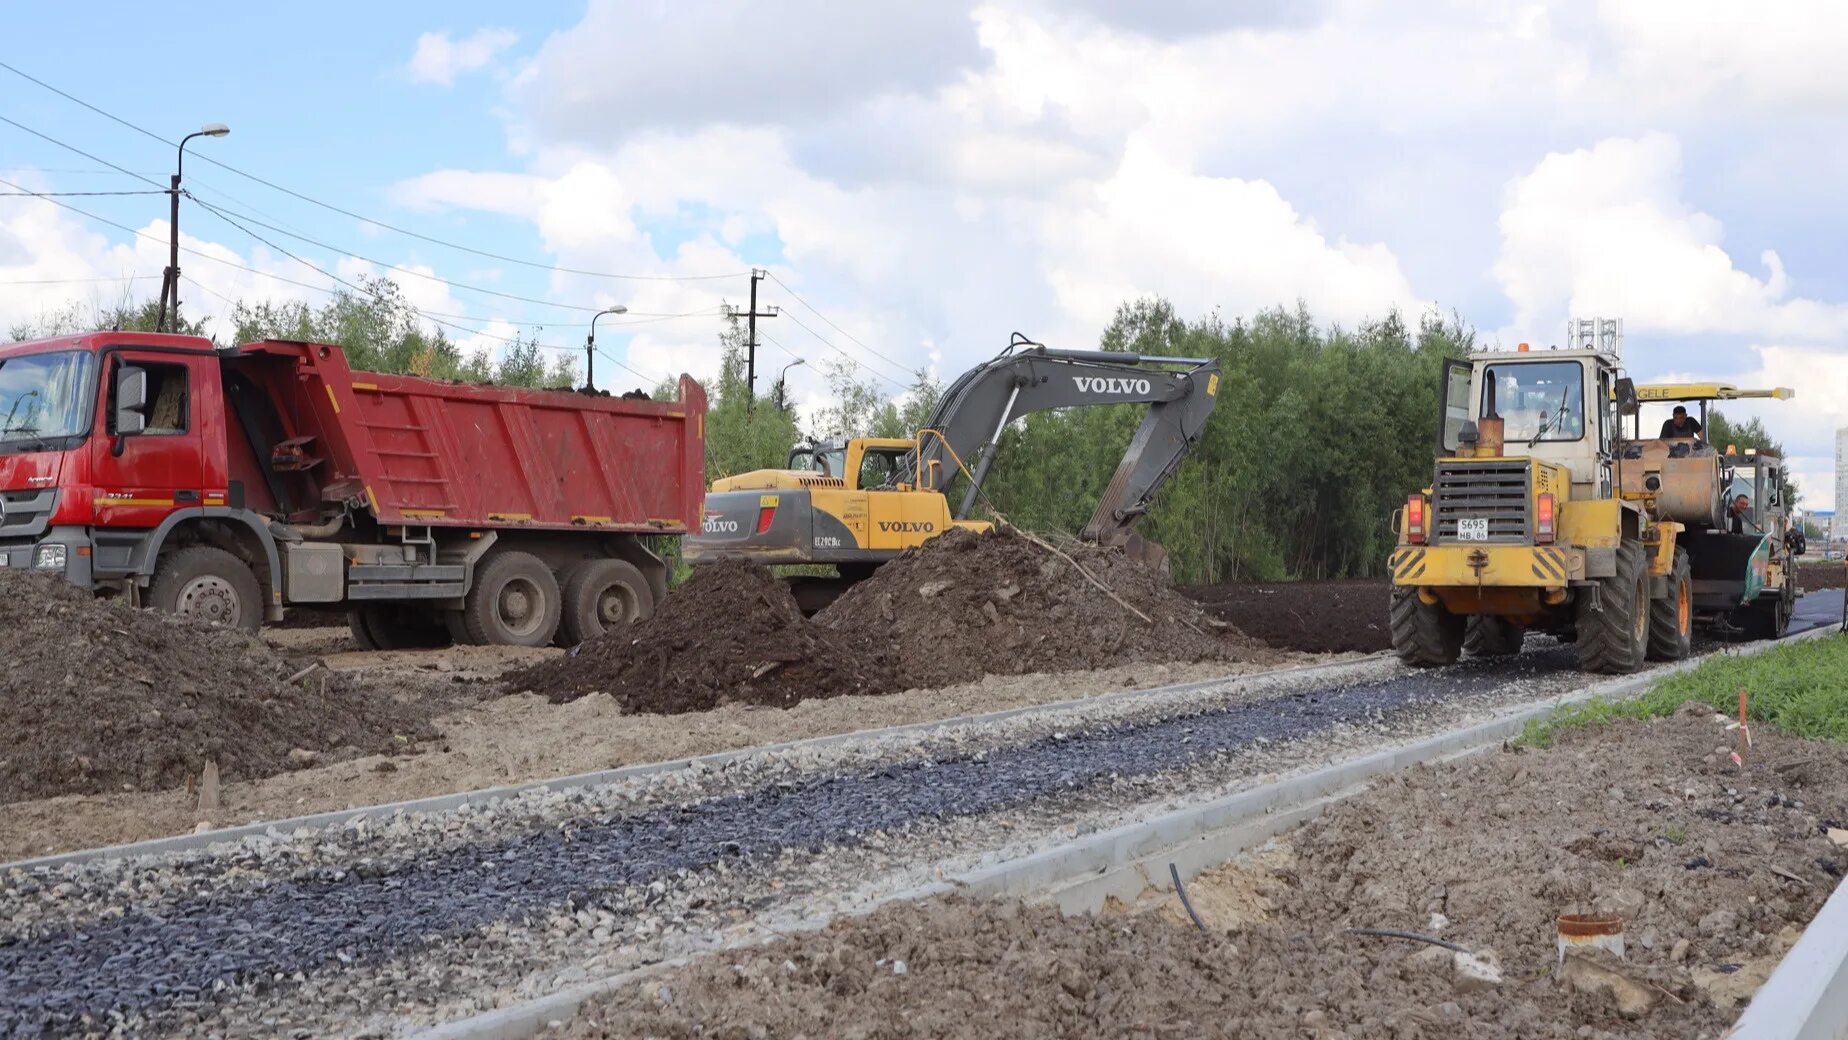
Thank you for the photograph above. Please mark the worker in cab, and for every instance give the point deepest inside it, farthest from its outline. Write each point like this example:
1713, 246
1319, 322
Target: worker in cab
1680, 425
1741, 506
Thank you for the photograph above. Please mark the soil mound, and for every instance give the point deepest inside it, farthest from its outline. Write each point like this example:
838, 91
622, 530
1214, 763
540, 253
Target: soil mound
1313, 616
964, 605
1824, 575
732, 633
99, 696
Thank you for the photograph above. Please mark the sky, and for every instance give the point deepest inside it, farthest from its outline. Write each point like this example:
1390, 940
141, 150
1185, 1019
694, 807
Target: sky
922, 180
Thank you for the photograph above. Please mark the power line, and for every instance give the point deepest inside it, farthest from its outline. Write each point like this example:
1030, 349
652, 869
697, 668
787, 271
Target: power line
75, 281
73, 148
813, 310
74, 194
857, 363
357, 216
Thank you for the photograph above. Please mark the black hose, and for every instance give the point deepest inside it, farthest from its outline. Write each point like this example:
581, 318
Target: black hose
1181, 891
1394, 933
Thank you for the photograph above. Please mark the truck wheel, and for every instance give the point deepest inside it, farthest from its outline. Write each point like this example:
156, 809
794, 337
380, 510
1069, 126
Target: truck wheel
1612, 640
600, 595
379, 626
1490, 636
1671, 618
514, 602
1424, 635
208, 583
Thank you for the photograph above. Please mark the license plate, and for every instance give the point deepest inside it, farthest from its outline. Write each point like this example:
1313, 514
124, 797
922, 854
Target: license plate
1473, 529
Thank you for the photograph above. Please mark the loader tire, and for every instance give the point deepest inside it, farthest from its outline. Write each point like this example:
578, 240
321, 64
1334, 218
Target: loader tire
1490, 636
385, 626
1671, 618
514, 601
1613, 639
210, 584
600, 595
1424, 635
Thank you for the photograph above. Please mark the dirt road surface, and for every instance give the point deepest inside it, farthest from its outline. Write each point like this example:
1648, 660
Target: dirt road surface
1714, 874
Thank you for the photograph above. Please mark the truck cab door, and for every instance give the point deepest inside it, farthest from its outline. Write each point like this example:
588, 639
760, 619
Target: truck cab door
139, 476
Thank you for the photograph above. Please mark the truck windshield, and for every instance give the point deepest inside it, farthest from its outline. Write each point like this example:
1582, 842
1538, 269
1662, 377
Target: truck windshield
44, 397
1538, 401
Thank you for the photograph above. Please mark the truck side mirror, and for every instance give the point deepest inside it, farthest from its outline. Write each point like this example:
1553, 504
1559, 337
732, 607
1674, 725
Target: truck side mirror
131, 400
1627, 402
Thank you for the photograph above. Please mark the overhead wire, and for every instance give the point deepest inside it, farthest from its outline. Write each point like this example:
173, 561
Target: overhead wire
359, 216
831, 323
74, 194
856, 362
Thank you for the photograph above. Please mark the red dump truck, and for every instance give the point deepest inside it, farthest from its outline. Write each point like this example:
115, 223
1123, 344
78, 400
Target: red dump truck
232, 483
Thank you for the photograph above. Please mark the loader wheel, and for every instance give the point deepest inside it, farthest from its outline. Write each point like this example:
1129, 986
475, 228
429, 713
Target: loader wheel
1671, 618
1490, 636
600, 595
382, 626
1613, 639
1424, 635
513, 602
210, 584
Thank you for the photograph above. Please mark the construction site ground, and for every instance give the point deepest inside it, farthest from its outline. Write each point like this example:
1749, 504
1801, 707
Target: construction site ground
1715, 872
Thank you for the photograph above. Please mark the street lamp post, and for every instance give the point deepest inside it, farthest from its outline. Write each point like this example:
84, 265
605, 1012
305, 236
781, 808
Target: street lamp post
170, 279
781, 404
590, 346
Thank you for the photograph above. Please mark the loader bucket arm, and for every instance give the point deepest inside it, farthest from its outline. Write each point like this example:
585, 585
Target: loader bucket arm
975, 409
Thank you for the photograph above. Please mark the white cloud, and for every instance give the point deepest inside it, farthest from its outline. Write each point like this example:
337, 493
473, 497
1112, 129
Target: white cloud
440, 59
1605, 231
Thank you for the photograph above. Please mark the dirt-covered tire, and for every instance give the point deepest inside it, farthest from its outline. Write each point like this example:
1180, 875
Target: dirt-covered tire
602, 594
208, 583
458, 628
515, 601
1489, 636
1671, 618
1613, 640
1424, 635
393, 626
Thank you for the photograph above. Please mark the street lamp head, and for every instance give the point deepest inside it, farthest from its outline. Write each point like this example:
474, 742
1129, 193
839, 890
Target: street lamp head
618, 309
214, 130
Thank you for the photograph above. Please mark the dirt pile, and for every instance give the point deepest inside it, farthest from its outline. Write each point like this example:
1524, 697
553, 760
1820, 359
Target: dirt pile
100, 697
1829, 575
1312, 616
731, 634
964, 605
1714, 874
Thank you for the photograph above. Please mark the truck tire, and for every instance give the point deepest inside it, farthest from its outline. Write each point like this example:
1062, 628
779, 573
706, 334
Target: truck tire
1613, 640
1671, 618
383, 626
602, 594
208, 583
1490, 636
514, 602
1424, 635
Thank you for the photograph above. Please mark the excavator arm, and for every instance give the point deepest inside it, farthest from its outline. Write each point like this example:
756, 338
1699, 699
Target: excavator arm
965, 429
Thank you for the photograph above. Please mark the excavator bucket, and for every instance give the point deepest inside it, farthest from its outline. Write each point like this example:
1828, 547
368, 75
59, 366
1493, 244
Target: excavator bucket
1149, 554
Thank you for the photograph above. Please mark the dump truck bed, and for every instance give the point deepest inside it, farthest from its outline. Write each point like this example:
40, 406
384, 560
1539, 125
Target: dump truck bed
426, 452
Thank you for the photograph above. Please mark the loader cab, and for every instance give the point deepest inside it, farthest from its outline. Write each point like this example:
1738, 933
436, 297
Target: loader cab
1554, 405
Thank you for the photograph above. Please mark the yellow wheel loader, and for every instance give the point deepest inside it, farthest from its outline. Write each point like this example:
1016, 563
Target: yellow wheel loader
859, 502
1542, 516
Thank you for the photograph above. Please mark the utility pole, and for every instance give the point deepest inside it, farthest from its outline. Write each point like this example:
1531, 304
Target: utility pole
758, 274
170, 278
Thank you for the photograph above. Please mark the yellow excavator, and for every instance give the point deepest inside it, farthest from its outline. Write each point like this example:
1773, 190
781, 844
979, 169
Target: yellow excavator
858, 502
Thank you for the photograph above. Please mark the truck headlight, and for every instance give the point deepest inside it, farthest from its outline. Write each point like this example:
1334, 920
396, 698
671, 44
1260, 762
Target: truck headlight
49, 557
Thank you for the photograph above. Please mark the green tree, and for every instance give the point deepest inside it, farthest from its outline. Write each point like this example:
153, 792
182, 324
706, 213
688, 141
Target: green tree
742, 434
1751, 434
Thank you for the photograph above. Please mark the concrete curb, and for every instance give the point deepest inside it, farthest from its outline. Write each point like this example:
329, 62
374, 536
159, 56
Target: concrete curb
1080, 875
445, 802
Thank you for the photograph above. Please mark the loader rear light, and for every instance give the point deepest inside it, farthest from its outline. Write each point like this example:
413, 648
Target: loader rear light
765, 515
1543, 518
1415, 519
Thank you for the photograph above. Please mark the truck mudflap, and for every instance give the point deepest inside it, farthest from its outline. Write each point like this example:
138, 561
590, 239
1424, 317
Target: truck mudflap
1728, 569
1459, 565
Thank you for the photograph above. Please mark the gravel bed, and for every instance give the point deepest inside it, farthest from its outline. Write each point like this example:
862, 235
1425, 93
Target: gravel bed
394, 920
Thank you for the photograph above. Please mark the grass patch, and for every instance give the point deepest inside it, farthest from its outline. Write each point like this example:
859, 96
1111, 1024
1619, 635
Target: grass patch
1801, 687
